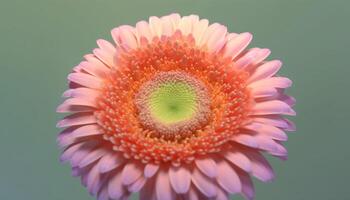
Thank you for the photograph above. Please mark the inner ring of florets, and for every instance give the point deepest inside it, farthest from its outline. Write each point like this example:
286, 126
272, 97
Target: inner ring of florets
173, 104
119, 116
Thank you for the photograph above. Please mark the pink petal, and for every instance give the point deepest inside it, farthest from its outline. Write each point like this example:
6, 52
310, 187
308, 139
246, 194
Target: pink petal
137, 185
80, 154
103, 194
93, 156
78, 172
192, 194
266, 70
235, 46
67, 93
74, 134
262, 54
93, 179
248, 190
150, 170
185, 25
246, 140
78, 69
143, 30
204, 183
228, 178
65, 137
167, 26
275, 133
115, 186
175, 19
87, 130
267, 144
239, 159
267, 130
291, 126
86, 80
199, 29
124, 36
67, 105
230, 36
95, 66
99, 184
261, 92
276, 82
217, 39
109, 162
272, 107
180, 179
82, 92
208, 33
194, 19
163, 187
222, 195
155, 26
281, 96
207, 166
127, 36
261, 169
247, 59
288, 99
84, 176
272, 120
106, 53
77, 119
131, 173
148, 191
276, 149
69, 152
93, 70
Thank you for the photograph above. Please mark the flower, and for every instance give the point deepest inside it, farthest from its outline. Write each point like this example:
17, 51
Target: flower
175, 109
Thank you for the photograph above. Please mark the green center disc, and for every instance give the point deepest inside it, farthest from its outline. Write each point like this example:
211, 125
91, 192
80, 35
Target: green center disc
173, 105
173, 102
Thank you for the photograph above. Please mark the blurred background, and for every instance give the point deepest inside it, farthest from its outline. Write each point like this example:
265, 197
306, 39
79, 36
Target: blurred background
41, 40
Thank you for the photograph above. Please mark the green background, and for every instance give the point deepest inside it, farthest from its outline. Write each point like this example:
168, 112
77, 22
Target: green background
41, 40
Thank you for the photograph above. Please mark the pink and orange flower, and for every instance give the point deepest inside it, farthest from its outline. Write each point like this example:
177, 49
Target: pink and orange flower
176, 108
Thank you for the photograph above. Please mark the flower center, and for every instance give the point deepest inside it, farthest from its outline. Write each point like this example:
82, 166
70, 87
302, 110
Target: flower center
170, 101
174, 104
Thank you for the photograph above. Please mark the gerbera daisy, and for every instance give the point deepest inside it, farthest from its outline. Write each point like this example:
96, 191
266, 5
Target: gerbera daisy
175, 108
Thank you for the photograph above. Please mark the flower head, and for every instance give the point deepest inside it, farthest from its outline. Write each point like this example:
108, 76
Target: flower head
174, 109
